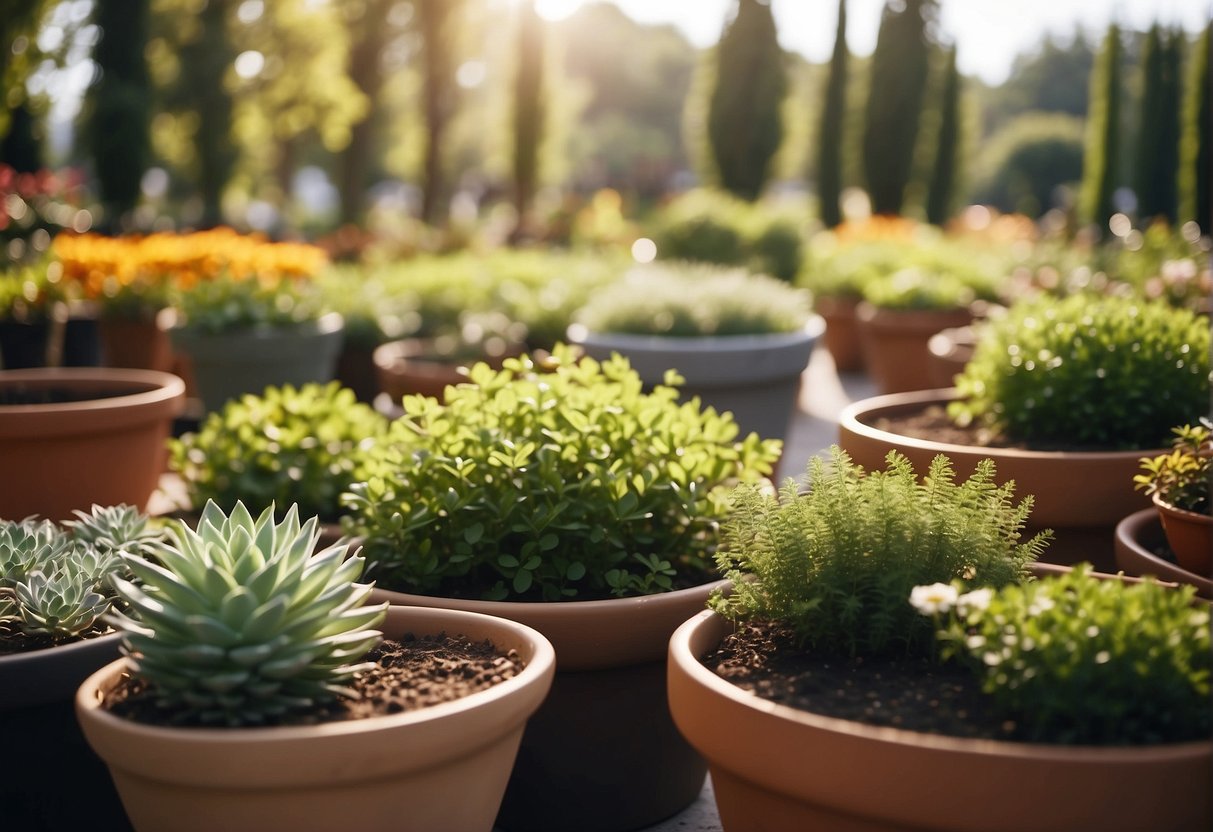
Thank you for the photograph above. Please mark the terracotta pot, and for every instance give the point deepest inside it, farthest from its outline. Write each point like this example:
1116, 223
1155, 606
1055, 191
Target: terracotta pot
1190, 536
141, 345
776, 767
842, 331
950, 350
415, 366
60, 457
895, 343
227, 365
755, 377
356, 370
1081, 495
1137, 538
439, 768
602, 753
36, 716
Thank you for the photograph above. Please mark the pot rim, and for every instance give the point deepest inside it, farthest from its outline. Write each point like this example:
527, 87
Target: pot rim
1186, 514
813, 328
541, 663
150, 388
855, 417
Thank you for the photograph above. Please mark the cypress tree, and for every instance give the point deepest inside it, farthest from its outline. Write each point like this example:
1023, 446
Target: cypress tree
1103, 132
1157, 160
204, 65
943, 173
120, 103
894, 106
438, 93
1196, 167
745, 127
528, 108
829, 153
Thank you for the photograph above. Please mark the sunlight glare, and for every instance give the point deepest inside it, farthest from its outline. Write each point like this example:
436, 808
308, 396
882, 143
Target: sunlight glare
554, 10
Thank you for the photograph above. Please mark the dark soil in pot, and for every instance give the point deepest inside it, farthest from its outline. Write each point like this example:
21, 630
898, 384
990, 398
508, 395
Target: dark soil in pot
21, 394
933, 423
409, 674
914, 694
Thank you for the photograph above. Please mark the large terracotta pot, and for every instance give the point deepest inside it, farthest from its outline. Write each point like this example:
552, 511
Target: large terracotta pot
1189, 534
138, 344
602, 753
69, 455
950, 350
38, 723
779, 768
842, 331
1080, 495
416, 366
755, 377
895, 343
1138, 536
439, 768
227, 365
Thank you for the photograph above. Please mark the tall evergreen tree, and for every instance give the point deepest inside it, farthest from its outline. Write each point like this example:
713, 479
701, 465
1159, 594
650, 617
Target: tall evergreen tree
745, 127
436, 19
528, 108
833, 111
120, 105
1196, 147
1103, 133
1157, 160
897, 86
368, 37
202, 87
942, 185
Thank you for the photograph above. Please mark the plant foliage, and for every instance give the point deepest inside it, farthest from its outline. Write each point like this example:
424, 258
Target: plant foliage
287, 446
1182, 478
550, 485
1104, 371
1073, 659
836, 564
242, 622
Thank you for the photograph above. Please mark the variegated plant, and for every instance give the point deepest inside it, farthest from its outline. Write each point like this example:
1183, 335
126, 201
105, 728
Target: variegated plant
242, 622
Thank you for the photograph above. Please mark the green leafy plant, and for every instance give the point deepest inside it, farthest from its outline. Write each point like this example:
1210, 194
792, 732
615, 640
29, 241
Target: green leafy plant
837, 563
567, 483
242, 623
1183, 477
55, 583
1078, 660
918, 288
27, 293
287, 446
1103, 371
685, 300
227, 303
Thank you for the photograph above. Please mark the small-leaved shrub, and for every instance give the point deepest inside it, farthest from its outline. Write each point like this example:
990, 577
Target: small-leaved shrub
836, 564
1183, 478
550, 485
242, 623
1101, 371
228, 303
287, 446
1077, 660
685, 300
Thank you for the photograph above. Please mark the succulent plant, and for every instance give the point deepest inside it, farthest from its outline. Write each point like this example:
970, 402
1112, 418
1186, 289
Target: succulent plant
55, 582
243, 623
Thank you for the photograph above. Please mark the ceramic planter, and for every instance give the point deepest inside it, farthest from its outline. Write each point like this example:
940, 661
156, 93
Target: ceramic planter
415, 366
1138, 536
779, 768
1081, 495
895, 343
602, 753
439, 768
41, 343
227, 365
756, 377
49, 757
842, 330
1190, 536
70, 455
950, 350
138, 344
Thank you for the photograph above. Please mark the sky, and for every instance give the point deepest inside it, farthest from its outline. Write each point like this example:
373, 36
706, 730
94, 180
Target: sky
988, 33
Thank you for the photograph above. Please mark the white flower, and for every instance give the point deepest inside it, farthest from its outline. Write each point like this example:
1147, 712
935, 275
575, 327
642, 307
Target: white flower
932, 599
977, 599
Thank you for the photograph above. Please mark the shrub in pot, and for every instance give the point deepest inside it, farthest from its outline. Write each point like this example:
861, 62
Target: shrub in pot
741, 341
1179, 483
242, 646
54, 591
825, 625
571, 500
287, 446
245, 334
1065, 394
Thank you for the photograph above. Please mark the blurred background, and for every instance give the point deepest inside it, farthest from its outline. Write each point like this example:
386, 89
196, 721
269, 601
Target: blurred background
429, 123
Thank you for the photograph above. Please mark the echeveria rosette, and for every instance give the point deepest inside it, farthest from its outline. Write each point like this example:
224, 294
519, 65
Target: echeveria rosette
111, 529
243, 622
